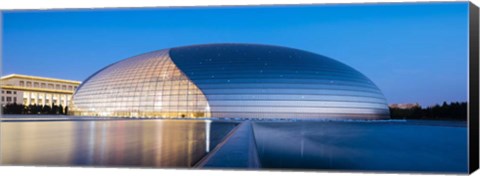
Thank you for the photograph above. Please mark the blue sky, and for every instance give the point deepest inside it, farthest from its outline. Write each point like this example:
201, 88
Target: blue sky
413, 52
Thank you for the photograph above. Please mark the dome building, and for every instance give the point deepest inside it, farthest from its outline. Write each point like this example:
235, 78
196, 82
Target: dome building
230, 81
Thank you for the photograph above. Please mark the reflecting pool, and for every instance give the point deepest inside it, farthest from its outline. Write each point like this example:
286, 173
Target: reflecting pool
400, 146
384, 145
137, 143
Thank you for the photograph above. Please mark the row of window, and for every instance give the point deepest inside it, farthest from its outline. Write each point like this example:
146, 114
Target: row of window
45, 85
9, 92
45, 98
39, 101
9, 99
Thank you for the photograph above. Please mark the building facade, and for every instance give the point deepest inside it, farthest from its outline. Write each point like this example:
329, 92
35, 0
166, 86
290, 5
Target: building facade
34, 90
230, 81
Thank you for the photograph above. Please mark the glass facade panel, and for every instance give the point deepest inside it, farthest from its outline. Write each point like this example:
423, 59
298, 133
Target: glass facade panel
148, 85
230, 80
260, 81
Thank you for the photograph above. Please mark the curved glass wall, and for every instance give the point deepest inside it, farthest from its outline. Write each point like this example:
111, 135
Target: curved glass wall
260, 81
230, 80
148, 85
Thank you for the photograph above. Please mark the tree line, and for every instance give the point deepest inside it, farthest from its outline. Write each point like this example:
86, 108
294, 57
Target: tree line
446, 111
14, 108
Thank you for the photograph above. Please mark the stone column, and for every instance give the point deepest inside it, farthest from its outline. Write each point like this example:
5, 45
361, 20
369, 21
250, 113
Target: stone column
43, 99
38, 99
27, 94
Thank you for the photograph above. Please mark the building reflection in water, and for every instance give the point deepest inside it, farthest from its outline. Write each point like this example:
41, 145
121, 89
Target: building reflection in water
142, 143
363, 146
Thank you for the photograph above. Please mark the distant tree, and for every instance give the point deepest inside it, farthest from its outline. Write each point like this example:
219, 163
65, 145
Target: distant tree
38, 109
54, 109
46, 109
32, 109
446, 111
13, 108
60, 109
66, 110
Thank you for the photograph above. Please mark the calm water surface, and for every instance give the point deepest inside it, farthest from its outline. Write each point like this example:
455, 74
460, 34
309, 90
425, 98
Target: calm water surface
400, 146
142, 143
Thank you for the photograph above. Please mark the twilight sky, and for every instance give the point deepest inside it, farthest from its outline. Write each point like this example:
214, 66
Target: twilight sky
413, 52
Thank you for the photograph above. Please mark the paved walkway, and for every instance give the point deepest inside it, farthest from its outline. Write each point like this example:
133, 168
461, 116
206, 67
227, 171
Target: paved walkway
238, 150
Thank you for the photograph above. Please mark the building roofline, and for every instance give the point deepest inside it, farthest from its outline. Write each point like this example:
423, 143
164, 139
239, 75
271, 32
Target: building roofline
10, 76
37, 89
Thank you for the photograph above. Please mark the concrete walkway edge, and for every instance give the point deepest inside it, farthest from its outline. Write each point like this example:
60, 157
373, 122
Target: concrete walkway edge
237, 150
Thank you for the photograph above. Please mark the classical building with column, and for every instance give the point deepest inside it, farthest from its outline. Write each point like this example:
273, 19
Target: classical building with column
29, 90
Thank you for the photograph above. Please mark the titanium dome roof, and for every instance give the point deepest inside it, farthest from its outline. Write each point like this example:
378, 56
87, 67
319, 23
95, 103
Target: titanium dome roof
230, 80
